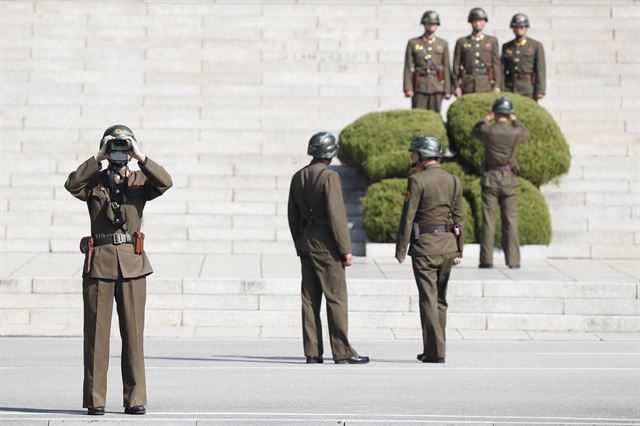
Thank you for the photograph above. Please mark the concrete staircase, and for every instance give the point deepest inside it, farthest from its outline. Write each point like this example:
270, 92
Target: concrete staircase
270, 308
225, 95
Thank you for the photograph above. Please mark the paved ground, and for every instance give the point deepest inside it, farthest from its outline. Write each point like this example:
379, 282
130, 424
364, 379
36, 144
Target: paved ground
569, 381
248, 266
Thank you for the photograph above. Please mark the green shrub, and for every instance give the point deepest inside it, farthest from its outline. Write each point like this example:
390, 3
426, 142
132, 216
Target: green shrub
534, 222
382, 207
541, 158
377, 143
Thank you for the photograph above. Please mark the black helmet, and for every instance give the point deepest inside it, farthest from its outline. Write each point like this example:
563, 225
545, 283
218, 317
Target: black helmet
520, 20
426, 146
502, 105
323, 145
430, 17
119, 131
478, 13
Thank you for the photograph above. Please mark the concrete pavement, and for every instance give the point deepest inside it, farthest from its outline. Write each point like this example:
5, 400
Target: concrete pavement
205, 382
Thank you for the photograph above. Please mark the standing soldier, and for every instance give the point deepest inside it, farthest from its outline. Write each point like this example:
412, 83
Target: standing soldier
523, 61
500, 180
115, 265
433, 219
318, 224
427, 70
476, 58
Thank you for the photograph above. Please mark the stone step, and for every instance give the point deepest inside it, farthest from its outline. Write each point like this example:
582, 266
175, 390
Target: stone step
373, 304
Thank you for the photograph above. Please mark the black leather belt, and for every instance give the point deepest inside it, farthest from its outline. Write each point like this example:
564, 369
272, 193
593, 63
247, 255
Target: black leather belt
115, 239
432, 229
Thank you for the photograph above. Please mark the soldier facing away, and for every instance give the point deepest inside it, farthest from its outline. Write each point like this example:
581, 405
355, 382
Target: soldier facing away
523, 61
500, 179
318, 224
427, 69
476, 58
431, 225
115, 265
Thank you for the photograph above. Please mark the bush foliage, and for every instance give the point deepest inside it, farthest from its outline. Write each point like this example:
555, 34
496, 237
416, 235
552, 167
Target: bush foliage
382, 207
541, 158
377, 143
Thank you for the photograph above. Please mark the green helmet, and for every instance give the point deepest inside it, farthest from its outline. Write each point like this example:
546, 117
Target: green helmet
430, 17
323, 145
502, 105
478, 13
520, 20
119, 131
426, 146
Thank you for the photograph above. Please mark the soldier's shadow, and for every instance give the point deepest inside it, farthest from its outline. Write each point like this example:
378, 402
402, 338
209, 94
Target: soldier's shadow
237, 358
42, 410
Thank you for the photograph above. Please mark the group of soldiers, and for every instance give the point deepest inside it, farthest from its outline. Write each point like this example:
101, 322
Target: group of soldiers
478, 65
431, 225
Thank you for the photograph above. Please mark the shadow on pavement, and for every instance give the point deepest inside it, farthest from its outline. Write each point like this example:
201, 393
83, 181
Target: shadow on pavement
42, 410
237, 358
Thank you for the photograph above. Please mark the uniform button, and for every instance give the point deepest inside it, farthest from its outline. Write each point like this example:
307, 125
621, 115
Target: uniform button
117, 191
477, 54
478, 46
517, 60
477, 61
429, 48
517, 52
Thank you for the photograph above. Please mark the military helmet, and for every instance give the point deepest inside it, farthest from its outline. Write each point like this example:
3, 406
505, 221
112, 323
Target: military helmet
520, 20
430, 17
502, 105
323, 145
478, 13
426, 146
119, 131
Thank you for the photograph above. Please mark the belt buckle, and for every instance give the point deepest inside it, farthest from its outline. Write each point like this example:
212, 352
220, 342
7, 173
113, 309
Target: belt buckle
119, 239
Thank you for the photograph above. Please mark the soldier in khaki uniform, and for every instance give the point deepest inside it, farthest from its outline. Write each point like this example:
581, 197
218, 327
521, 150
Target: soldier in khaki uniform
500, 180
318, 224
523, 61
432, 222
427, 69
476, 58
116, 265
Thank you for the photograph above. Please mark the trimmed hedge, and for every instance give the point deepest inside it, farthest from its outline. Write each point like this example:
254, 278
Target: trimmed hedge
541, 158
534, 222
382, 207
377, 143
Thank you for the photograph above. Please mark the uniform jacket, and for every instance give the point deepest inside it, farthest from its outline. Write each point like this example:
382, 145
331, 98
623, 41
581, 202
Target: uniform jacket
500, 141
476, 54
428, 199
144, 185
521, 59
317, 215
427, 55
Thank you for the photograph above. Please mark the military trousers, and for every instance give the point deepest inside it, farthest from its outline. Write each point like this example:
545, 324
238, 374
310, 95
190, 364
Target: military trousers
500, 188
322, 274
432, 273
130, 297
430, 101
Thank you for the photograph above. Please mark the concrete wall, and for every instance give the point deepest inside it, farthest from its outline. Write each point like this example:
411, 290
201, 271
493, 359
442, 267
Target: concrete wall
226, 94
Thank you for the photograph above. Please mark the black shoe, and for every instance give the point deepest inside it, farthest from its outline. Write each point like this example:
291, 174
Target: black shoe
356, 359
420, 356
138, 409
95, 411
514, 266
433, 360
314, 360
485, 266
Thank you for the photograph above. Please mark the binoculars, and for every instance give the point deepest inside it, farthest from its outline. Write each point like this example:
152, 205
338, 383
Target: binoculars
118, 149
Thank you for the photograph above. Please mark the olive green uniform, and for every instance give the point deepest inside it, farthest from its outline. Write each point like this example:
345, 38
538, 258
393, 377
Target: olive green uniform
500, 186
476, 63
116, 272
524, 67
427, 58
318, 224
428, 201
